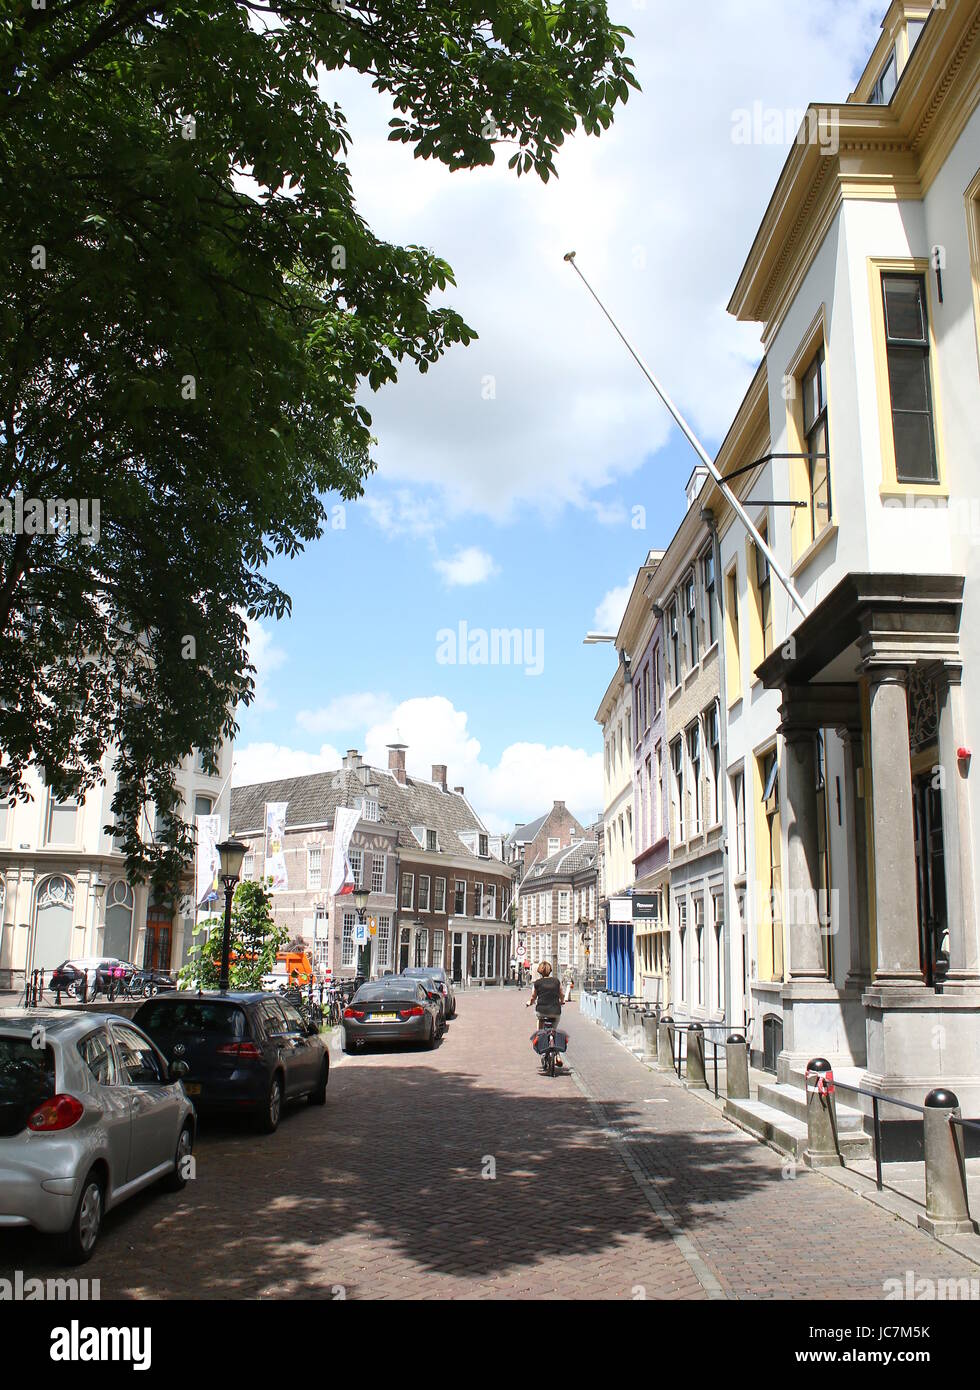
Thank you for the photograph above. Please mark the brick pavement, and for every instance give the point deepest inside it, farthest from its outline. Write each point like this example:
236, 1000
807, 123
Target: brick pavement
602, 1191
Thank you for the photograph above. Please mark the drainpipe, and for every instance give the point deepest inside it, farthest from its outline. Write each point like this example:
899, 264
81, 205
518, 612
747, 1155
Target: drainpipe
708, 517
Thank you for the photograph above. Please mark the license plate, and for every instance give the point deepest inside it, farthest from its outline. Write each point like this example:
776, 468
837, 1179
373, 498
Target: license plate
381, 1018
193, 1088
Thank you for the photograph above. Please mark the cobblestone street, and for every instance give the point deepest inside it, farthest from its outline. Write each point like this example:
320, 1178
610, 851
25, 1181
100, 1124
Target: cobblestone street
609, 1183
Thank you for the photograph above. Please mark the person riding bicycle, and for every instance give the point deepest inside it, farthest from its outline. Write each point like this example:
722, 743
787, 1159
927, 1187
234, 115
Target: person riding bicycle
547, 996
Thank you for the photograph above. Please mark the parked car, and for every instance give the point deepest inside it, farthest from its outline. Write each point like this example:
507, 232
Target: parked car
149, 982
442, 979
394, 1009
431, 984
247, 1053
69, 975
90, 1113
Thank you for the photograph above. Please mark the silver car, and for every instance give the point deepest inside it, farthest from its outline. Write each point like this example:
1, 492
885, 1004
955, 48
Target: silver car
90, 1114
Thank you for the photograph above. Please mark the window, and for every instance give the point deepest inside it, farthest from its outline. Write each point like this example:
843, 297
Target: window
718, 907
4, 819
884, 88
694, 759
712, 728
438, 947
738, 797
96, 1053
708, 582
656, 680
356, 857
203, 805
650, 809
62, 816
677, 761
248, 865
431, 841
563, 948
699, 948
384, 943
910, 391
733, 645
137, 1058
408, 892
478, 900
645, 696
763, 592
347, 940
771, 941
564, 905
484, 846
673, 637
439, 901
369, 809
691, 610
313, 857
554, 845
490, 903
460, 898
682, 937
423, 905
817, 442
378, 867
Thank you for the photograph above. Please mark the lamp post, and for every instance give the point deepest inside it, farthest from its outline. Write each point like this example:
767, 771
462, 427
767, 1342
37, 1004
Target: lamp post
585, 932
360, 896
230, 856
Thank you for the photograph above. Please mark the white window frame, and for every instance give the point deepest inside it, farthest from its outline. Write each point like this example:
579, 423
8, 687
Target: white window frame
424, 898
439, 899
314, 868
408, 881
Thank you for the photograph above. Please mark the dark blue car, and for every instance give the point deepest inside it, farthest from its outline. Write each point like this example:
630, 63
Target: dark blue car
246, 1053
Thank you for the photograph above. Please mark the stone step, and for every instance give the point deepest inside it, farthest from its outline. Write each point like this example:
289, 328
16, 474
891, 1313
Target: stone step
791, 1099
787, 1133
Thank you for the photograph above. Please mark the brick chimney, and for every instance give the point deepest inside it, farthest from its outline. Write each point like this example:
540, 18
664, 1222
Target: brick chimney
559, 805
396, 761
353, 760
439, 774
460, 791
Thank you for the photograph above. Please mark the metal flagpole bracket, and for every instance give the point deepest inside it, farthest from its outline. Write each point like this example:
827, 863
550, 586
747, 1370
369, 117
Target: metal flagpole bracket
698, 448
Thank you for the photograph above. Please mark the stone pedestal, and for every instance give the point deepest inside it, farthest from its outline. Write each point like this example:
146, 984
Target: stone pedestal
918, 1040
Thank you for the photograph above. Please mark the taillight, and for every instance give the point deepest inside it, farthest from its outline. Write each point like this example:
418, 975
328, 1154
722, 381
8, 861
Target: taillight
60, 1112
240, 1049
354, 1013
414, 1012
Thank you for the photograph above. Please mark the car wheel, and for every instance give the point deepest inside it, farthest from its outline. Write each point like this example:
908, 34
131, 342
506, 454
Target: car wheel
83, 1232
269, 1115
347, 1042
319, 1096
430, 1041
177, 1180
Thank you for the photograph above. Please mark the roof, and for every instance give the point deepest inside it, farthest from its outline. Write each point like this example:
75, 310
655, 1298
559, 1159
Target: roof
564, 863
524, 834
314, 798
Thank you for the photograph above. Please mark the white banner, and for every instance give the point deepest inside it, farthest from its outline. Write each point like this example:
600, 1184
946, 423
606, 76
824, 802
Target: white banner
341, 873
207, 892
275, 837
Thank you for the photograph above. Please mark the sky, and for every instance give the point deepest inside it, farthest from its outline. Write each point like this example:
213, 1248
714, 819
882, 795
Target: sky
522, 481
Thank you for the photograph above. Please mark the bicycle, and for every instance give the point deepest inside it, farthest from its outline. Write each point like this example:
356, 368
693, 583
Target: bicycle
555, 1043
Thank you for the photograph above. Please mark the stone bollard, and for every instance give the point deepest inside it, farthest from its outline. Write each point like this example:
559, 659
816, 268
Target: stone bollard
695, 1057
821, 1117
665, 1043
736, 1067
947, 1203
634, 1034
650, 1024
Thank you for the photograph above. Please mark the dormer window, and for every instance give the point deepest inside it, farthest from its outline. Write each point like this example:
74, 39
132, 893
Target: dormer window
484, 847
369, 809
431, 841
884, 89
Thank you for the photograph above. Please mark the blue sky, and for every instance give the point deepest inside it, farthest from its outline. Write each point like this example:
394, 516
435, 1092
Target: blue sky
508, 474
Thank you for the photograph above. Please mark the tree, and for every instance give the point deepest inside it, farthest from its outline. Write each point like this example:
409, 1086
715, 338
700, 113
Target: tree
255, 942
182, 346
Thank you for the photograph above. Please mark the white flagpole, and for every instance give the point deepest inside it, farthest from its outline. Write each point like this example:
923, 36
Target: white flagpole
695, 443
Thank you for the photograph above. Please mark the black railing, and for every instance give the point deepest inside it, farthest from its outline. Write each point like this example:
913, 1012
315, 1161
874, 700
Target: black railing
877, 1100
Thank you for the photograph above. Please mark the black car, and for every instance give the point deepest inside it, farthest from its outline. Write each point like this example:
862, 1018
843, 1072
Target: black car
149, 982
443, 983
246, 1053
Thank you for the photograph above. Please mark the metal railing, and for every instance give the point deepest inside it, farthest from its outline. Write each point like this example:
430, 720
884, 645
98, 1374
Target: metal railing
877, 1100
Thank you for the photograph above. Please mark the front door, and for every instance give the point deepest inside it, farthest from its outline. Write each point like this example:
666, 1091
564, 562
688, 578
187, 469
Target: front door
457, 957
156, 950
404, 949
930, 874
421, 947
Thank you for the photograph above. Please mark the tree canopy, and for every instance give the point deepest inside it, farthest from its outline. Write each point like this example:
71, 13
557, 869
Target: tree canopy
189, 307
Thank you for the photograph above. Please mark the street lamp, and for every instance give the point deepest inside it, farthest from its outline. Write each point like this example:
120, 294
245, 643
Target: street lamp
585, 932
230, 855
360, 896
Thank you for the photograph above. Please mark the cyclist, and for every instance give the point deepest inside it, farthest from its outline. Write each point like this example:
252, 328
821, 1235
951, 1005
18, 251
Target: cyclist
547, 996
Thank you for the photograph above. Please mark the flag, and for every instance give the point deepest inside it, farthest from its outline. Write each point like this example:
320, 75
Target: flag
341, 873
208, 864
275, 835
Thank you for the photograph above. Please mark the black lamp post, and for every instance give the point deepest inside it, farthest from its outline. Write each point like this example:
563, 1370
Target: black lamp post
230, 854
360, 896
585, 932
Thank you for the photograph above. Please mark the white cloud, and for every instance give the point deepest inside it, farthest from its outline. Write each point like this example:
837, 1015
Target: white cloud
267, 762
612, 606
266, 656
524, 782
345, 713
546, 409
466, 567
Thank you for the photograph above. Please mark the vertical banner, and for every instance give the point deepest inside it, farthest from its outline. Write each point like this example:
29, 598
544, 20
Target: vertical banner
275, 836
208, 865
341, 873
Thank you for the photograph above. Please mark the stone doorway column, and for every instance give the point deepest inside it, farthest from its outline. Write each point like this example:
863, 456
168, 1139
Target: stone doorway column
893, 833
855, 824
801, 911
